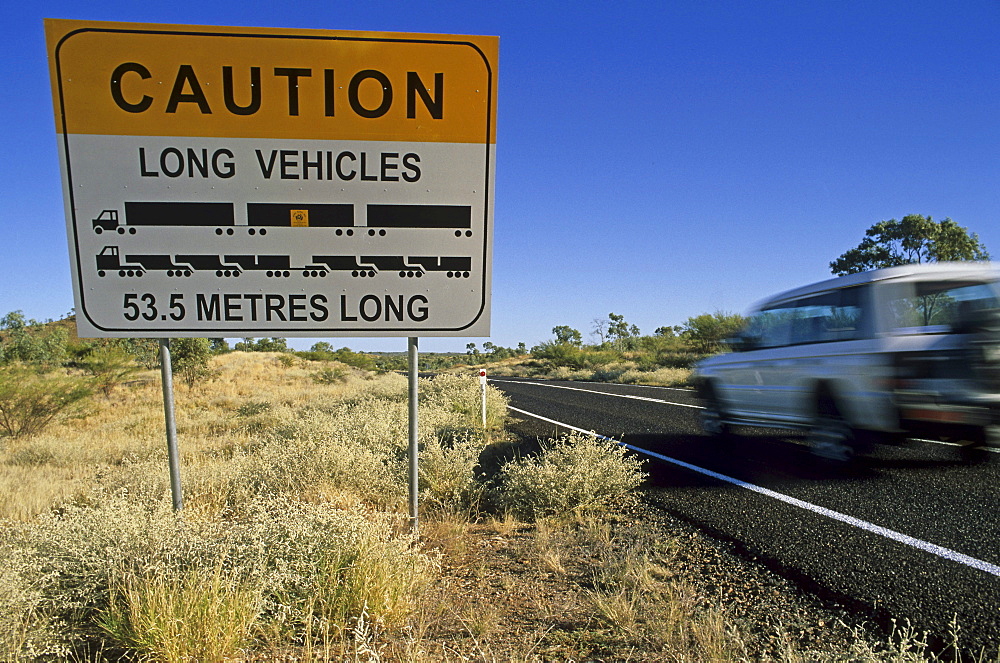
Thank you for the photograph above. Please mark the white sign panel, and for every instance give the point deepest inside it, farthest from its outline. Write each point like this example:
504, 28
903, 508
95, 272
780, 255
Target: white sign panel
249, 182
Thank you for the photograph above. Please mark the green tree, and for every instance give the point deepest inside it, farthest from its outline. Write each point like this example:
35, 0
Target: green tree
22, 339
189, 358
620, 332
30, 401
146, 351
219, 346
705, 332
914, 239
275, 344
567, 335
321, 346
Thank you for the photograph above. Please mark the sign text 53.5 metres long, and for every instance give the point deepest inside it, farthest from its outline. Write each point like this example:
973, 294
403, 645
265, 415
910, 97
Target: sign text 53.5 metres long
257, 181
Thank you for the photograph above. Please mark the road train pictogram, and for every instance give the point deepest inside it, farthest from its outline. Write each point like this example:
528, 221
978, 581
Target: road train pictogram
112, 261
262, 217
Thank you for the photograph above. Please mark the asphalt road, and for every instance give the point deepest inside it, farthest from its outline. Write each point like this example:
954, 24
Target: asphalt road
909, 532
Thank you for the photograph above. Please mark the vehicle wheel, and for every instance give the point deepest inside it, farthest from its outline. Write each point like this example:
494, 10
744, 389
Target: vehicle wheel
831, 437
712, 421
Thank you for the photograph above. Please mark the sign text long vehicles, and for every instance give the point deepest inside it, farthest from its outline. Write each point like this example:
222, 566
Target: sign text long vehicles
257, 181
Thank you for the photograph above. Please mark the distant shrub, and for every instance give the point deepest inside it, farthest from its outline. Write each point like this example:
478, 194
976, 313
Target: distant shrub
253, 408
323, 351
330, 375
30, 401
573, 473
566, 354
110, 365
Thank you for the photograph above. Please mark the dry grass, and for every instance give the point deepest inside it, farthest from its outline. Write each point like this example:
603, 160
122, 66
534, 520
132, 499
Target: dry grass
293, 541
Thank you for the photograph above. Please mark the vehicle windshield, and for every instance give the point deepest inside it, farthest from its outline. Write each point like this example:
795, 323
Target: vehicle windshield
941, 306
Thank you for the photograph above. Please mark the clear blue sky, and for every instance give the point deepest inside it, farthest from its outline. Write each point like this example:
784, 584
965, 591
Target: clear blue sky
654, 159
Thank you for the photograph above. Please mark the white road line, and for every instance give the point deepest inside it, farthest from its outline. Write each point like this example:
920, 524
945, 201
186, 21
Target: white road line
604, 393
899, 537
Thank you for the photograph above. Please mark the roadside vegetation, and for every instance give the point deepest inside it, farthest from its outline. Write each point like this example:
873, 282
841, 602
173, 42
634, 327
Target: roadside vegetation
619, 352
294, 541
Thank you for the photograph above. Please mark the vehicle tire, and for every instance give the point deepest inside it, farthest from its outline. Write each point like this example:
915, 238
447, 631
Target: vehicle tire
830, 436
713, 421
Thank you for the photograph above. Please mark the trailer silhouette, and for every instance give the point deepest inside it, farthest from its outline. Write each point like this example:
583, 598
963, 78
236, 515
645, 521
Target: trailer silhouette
204, 215
109, 260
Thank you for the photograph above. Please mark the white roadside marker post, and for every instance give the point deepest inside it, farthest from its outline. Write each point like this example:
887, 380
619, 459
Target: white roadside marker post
412, 355
482, 388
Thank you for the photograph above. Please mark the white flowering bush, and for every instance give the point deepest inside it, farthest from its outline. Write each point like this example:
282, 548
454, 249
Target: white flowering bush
448, 473
573, 473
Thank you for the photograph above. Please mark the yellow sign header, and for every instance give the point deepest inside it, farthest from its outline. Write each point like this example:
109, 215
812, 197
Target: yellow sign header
133, 79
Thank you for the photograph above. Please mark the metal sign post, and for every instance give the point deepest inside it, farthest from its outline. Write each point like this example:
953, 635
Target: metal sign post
167, 377
413, 451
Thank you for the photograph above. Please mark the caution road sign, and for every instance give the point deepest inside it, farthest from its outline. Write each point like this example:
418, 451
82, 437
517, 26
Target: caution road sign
257, 181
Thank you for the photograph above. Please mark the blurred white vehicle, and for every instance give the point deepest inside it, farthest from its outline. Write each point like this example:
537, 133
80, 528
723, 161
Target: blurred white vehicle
879, 356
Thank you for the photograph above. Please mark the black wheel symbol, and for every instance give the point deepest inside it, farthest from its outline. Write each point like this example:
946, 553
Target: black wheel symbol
98, 230
100, 272
218, 231
131, 231
121, 231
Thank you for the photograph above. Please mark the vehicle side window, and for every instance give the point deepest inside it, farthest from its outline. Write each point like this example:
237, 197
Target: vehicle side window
939, 307
831, 316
